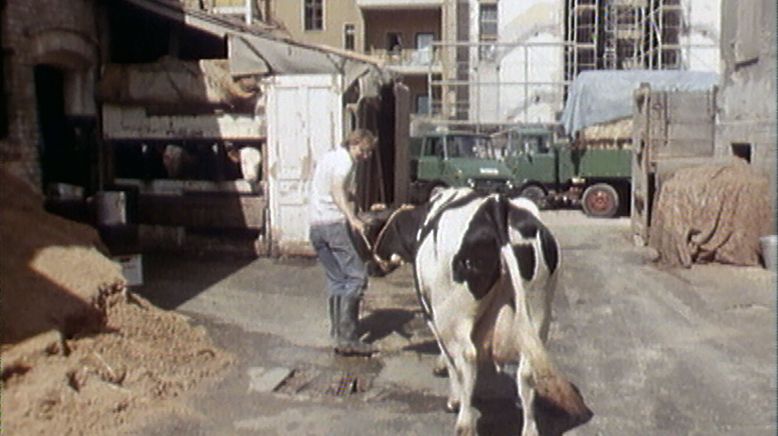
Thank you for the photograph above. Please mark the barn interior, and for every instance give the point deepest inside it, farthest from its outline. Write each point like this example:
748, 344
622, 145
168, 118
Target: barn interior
178, 123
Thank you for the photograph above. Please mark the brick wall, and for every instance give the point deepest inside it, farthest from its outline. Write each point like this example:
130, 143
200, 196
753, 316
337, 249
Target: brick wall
60, 33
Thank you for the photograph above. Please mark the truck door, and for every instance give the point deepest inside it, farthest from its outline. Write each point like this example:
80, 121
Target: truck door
535, 159
430, 167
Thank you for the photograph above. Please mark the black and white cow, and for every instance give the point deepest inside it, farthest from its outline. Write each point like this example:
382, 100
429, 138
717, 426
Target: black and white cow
485, 270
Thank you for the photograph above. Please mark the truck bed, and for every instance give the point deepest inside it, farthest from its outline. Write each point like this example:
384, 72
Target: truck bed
595, 163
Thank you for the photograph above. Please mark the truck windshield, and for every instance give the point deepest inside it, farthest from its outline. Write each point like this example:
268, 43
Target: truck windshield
469, 147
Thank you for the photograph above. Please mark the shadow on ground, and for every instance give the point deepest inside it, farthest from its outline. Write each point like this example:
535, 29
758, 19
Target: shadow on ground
381, 323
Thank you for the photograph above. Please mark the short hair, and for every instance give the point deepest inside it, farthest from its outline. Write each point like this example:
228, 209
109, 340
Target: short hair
360, 135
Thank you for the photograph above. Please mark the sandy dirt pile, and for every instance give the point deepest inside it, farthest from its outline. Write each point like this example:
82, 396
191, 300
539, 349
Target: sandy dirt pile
80, 353
711, 213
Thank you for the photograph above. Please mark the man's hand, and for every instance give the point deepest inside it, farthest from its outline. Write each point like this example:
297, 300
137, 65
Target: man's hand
357, 225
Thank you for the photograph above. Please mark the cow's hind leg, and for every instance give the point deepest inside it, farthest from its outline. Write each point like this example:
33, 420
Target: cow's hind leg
453, 402
527, 396
464, 365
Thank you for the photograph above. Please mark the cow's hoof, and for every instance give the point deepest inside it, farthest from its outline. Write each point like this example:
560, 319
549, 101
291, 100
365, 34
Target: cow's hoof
465, 431
452, 406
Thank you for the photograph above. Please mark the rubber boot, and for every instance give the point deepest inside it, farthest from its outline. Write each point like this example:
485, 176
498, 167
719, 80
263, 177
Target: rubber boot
348, 343
333, 308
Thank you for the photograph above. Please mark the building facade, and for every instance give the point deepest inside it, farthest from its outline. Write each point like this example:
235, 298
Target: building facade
51, 59
746, 101
400, 33
492, 62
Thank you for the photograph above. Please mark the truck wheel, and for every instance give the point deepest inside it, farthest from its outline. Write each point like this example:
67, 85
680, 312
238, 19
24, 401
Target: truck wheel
536, 194
600, 201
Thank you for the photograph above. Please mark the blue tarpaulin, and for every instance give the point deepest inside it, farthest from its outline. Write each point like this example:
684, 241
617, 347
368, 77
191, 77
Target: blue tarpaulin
600, 96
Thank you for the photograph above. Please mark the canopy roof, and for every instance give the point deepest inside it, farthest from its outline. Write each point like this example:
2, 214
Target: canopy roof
254, 50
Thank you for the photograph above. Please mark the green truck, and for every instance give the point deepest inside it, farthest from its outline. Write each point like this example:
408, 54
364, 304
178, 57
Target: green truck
553, 171
456, 159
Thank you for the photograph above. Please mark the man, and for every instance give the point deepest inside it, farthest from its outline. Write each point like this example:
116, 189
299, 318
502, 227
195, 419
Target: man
331, 212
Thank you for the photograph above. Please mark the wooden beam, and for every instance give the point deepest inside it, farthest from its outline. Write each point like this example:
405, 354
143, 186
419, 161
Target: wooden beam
203, 210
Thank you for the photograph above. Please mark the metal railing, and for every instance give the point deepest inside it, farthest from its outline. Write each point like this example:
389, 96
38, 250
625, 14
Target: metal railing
422, 58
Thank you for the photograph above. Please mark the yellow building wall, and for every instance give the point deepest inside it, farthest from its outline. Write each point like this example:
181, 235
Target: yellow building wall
337, 13
406, 22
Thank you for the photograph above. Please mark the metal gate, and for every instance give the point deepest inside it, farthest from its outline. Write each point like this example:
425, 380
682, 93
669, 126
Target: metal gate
671, 130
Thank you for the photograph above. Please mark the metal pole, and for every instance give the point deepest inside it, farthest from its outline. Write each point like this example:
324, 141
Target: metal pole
526, 84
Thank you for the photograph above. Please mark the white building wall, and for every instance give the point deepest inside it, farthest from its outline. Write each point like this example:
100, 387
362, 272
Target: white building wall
517, 85
525, 83
700, 44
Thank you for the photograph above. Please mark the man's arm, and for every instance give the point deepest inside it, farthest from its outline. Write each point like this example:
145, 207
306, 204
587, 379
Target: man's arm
340, 197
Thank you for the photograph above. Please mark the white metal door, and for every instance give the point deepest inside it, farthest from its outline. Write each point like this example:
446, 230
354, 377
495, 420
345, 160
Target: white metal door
304, 120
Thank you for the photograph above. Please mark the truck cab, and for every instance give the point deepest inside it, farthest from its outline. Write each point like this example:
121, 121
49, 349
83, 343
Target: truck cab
456, 159
531, 155
551, 170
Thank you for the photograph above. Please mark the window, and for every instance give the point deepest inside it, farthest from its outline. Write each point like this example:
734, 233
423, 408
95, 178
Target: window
487, 28
488, 21
314, 14
424, 48
434, 148
348, 37
422, 104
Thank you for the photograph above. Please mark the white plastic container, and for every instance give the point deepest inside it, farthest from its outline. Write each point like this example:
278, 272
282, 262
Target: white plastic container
132, 268
769, 246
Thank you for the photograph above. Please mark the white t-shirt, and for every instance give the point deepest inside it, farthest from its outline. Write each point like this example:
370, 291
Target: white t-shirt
323, 209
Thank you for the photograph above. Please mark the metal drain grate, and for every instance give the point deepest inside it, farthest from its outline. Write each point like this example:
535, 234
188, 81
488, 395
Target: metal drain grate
313, 382
295, 382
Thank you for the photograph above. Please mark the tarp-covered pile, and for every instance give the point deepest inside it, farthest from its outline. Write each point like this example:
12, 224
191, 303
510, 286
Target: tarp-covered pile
601, 96
711, 213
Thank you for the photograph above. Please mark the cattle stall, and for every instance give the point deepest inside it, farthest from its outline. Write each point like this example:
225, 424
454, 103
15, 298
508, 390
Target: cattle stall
213, 143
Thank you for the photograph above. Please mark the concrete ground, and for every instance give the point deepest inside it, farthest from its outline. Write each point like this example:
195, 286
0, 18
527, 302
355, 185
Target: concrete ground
654, 351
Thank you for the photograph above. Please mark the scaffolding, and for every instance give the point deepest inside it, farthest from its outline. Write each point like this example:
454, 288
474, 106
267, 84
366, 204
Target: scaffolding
597, 35
623, 34
663, 49
582, 30
480, 94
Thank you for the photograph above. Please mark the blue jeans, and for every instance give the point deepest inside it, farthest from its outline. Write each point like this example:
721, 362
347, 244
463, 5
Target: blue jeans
346, 273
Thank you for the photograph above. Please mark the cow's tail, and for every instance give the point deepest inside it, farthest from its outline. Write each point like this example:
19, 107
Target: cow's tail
529, 338
551, 387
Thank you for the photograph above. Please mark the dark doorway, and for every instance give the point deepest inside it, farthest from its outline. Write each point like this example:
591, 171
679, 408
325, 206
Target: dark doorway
394, 41
66, 144
742, 150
